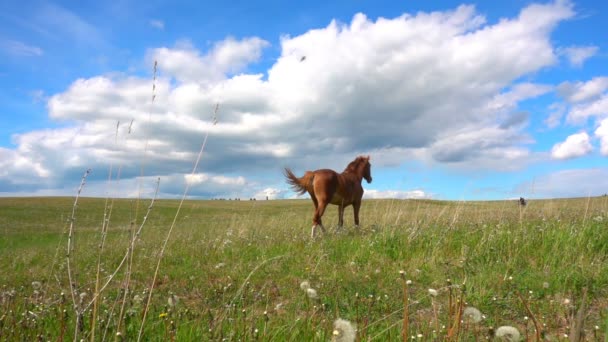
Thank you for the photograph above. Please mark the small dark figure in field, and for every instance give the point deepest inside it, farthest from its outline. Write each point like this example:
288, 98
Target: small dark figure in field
522, 201
327, 186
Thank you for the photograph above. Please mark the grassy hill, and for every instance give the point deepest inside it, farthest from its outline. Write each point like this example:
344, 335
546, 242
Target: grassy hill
234, 270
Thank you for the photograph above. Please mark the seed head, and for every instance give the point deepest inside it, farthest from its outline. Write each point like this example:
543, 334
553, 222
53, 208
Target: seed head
472, 315
312, 293
305, 285
344, 331
508, 334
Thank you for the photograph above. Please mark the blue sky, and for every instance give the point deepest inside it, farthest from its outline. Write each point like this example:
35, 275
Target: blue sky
452, 100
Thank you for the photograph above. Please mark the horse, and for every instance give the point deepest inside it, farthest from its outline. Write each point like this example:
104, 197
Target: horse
326, 186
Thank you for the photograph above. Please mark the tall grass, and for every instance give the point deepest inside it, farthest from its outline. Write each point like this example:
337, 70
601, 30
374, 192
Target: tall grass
232, 270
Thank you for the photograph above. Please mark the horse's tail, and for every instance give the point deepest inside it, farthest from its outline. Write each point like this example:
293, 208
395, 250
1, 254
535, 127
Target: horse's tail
299, 185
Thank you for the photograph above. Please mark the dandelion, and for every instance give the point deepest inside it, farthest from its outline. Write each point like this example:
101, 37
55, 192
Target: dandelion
472, 315
433, 292
163, 315
344, 331
173, 300
312, 293
305, 285
408, 282
545, 285
36, 285
566, 301
508, 333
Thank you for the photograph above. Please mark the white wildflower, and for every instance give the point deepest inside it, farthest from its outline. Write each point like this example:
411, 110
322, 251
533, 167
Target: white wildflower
433, 292
344, 331
508, 333
472, 315
36, 285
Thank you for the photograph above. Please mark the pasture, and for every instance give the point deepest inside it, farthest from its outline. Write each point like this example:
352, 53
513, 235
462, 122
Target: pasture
234, 270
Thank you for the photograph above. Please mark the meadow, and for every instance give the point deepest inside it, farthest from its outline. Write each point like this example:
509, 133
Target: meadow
248, 270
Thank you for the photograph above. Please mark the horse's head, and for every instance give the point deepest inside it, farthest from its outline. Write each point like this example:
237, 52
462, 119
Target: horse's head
367, 170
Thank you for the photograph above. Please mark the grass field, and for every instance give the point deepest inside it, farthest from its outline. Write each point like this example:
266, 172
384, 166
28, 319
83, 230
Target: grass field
234, 270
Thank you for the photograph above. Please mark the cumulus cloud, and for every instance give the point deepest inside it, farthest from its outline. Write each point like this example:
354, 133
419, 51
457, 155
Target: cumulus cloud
398, 194
585, 99
576, 145
602, 133
575, 92
185, 62
442, 87
577, 55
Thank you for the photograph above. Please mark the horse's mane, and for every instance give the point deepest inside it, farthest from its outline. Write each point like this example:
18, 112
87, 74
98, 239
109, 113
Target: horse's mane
355, 164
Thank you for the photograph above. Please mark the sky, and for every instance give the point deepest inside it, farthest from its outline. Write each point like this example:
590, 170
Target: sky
451, 100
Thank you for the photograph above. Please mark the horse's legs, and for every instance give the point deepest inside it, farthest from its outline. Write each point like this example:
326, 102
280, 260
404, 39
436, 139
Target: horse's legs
340, 216
316, 221
356, 207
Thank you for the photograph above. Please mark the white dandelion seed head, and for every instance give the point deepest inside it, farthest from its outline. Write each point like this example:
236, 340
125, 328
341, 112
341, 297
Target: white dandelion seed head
36, 285
344, 331
566, 301
312, 293
408, 282
433, 292
472, 315
305, 285
172, 300
508, 333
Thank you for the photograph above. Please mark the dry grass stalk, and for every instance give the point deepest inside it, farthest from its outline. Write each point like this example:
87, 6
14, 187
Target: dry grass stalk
162, 250
72, 285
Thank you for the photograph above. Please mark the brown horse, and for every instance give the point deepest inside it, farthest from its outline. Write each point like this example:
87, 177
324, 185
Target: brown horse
327, 186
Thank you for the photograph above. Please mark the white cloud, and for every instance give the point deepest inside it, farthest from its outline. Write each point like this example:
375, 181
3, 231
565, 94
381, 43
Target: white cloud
20, 49
555, 117
579, 113
270, 193
576, 145
397, 194
583, 91
185, 63
568, 183
577, 55
429, 86
602, 133
157, 24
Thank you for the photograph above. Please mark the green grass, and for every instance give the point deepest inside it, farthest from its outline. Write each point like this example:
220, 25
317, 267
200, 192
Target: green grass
237, 267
